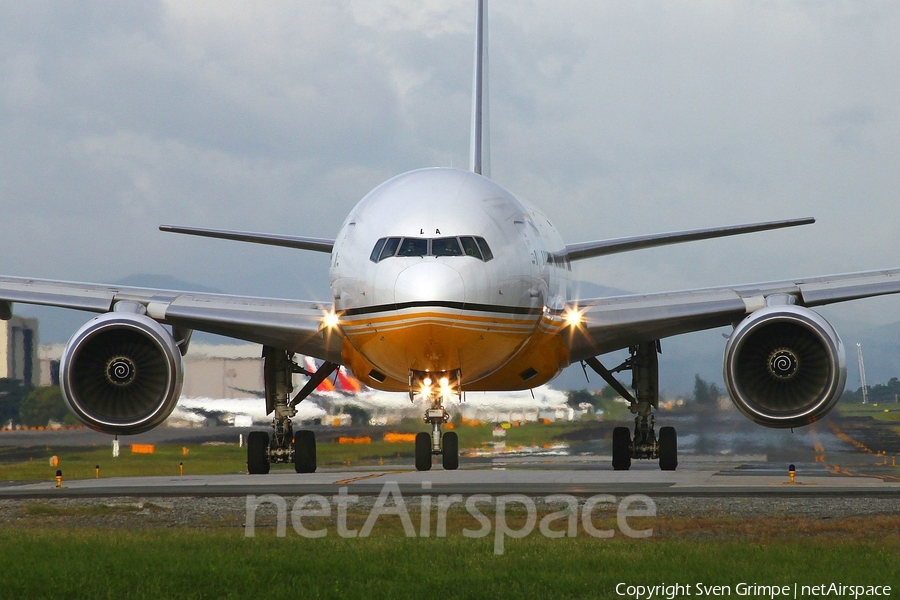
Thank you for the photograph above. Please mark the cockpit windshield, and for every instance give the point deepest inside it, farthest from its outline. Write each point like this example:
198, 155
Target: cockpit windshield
413, 247
448, 246
475, 247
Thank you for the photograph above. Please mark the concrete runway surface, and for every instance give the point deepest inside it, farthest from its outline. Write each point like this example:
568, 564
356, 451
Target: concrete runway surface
702, 476
721, 455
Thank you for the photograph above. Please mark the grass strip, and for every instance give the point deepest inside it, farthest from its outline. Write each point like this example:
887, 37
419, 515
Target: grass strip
80, 463
44, 562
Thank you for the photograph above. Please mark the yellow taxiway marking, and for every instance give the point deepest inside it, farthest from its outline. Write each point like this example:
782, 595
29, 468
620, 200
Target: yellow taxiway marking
369, 476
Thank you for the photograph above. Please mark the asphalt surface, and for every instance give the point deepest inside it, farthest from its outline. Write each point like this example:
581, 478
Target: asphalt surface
723, 456
536, 477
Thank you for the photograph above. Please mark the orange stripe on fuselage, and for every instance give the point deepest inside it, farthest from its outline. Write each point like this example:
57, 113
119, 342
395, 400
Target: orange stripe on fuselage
439, 339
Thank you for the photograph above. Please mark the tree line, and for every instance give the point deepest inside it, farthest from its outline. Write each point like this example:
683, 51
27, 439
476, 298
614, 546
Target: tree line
706, 393
878, 393
24, 404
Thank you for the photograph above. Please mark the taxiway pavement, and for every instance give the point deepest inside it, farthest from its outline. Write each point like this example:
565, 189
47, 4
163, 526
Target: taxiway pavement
738, 476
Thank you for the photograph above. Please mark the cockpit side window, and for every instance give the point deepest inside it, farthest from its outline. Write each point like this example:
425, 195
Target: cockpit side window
390, 248
413, 247
470, 247
376, 251
448, 246
485, 249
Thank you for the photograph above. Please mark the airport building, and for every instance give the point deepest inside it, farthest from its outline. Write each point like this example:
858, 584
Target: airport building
19, 350
223, 371
210, 371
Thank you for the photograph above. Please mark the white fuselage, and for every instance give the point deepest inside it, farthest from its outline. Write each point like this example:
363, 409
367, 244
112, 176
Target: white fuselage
463, 278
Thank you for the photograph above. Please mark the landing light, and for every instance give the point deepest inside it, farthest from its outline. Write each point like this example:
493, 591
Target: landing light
330, 319
573, 317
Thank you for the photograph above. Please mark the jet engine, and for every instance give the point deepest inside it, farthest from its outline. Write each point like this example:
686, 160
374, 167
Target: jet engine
784, 366
121, 373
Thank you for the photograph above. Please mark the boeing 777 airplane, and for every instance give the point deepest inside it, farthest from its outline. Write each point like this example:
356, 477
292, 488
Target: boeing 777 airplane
443, 282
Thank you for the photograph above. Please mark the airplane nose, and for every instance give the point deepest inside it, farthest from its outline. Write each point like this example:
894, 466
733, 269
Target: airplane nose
429, 282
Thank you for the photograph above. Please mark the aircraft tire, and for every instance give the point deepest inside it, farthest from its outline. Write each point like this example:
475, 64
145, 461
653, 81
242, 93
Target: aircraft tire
423, 451
305, 451
450, 451
668, 449
257, 459
621, 450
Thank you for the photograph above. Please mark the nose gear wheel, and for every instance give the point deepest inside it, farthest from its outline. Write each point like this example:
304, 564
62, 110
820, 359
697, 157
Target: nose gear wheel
437, 443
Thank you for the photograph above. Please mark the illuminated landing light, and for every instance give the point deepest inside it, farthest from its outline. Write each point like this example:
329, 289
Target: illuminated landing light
574, 317
445, 386
330, 319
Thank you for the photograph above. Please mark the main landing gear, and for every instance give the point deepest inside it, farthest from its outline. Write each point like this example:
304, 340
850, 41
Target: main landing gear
435, 386
285, 445
644, 444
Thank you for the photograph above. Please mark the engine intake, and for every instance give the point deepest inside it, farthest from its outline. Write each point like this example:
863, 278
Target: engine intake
784, 366
121, 373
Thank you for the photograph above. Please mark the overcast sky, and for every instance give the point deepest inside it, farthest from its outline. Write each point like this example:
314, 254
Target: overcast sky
617, 118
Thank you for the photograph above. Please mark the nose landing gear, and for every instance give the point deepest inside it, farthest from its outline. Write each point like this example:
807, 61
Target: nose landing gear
427, 445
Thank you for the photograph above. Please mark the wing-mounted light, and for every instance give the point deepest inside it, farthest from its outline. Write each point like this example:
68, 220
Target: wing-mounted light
330, 324
574, 318
330, 320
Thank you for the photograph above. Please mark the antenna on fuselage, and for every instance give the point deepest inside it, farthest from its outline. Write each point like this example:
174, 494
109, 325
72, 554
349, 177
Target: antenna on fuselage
479, 150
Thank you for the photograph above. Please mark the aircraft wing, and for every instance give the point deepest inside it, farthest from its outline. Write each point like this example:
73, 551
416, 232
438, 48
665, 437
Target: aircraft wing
285, 241
289, 324
606, 247
608, 324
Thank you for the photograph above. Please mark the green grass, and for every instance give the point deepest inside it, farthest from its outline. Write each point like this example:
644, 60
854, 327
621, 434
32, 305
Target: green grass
875, 411
216, 563
79, 463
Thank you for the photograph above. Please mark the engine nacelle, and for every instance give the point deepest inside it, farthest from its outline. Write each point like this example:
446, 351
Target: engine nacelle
121, 373
784, 366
